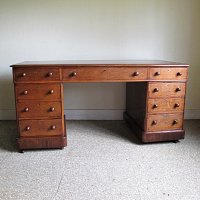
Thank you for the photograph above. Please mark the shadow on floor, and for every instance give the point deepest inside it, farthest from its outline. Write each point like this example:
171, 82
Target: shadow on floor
8, 135
115, 128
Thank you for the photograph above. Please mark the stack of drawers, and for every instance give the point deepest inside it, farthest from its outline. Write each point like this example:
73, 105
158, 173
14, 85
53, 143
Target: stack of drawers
39, 108
165, 102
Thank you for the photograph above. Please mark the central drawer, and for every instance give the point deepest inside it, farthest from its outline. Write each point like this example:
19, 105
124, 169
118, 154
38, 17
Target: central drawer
109, 74
37, 109
31, 128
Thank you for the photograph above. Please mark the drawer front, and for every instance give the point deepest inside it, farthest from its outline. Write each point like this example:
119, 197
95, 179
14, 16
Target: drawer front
166, 105
37, 109
164, 122
166, 90
24, 74
38, 91
127, 73
168, 73
103, 74
31, 128
76, 74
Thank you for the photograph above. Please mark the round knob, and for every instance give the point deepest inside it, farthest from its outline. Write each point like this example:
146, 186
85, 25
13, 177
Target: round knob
157, 74
28, 128
53, 127
52, 109
175, 122
156, 90
26, 109
73, 74
155, 106
154, 122
51, 91
178, 74
176, 105
50, 74
23, 74
178, 89
25, 92
136, 74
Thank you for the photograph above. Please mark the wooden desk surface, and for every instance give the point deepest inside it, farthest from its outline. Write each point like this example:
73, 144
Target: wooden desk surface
96, 63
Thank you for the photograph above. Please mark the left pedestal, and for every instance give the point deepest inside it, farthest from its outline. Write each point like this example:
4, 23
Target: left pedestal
39, 108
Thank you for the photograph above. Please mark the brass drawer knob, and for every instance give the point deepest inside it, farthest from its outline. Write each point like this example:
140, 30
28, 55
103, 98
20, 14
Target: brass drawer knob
73, 74
52, 109
178, 89
154, 122
28, 128
156, 90
23, 74
51, 91
157, 74
26, 109
50, 74
178, 74
176, 105
175, 122
136, 74
53, 127
155, 106
25, 92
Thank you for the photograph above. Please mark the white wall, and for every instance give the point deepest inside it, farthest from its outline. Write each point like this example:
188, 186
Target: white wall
92, 29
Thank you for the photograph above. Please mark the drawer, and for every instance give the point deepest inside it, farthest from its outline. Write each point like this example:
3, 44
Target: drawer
76, 74
166, 90
168, 73
31, 128
166, 105
37, 109
127, 73
38, 91
164, 122
23, 74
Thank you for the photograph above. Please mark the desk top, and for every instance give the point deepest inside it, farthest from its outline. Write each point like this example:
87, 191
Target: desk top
96, 63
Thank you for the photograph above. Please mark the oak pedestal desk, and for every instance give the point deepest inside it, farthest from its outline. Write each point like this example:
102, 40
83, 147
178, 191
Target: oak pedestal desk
155, 97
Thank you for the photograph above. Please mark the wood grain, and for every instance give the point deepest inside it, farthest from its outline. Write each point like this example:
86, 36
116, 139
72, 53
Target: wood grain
166, 90
136, 101
148, 137
42, 143
38, 109
127, 73
168, 73
37, 91
166, 105
31, 128
40, 74
72, 74
164, 122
